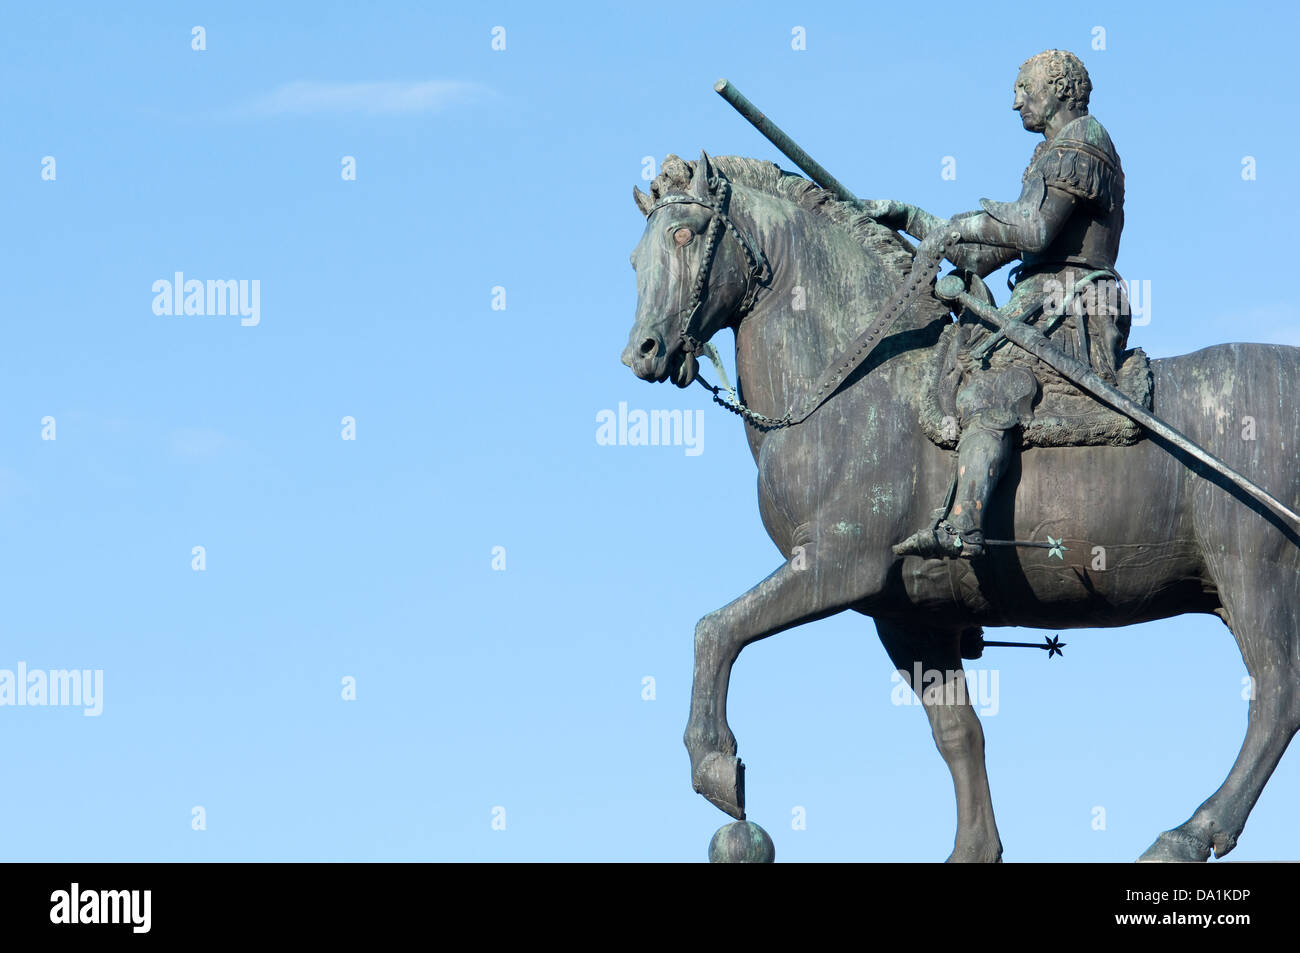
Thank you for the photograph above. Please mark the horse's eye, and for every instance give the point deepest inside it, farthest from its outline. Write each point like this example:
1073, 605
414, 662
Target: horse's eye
683, 236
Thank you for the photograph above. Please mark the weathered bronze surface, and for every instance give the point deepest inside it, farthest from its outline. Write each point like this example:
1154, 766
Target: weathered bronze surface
800, 276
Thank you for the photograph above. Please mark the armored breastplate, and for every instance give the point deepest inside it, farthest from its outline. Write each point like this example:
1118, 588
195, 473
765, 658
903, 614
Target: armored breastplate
1088, 239
1081, 161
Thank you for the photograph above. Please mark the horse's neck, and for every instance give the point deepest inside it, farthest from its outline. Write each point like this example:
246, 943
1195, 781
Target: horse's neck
819, 298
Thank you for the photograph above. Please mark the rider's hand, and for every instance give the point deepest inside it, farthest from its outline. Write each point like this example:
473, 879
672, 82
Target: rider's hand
939, 235
888, 212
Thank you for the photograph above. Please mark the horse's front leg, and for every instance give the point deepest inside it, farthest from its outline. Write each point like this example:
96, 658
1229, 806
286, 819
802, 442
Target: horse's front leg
820, 579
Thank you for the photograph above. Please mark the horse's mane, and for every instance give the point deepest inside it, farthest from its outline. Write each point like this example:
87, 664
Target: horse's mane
885, 244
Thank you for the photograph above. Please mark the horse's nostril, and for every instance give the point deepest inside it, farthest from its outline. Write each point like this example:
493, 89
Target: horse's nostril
648, 347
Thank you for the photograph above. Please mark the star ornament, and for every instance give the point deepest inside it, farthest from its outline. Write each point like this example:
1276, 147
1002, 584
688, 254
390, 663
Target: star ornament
1054, 646
1057, 548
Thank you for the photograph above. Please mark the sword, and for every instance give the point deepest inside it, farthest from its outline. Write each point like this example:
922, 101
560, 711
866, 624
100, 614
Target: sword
951, 289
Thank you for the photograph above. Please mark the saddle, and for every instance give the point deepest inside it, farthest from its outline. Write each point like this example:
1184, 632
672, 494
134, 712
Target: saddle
1058, 415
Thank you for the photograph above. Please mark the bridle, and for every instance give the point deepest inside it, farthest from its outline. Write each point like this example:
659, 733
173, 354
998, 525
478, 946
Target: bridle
719, 221
759, 273
925, 268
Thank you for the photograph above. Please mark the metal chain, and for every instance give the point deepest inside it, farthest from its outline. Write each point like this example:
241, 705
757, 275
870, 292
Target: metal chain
737, 407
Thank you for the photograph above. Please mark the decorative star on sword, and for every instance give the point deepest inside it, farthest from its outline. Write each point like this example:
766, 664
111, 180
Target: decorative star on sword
1052, 645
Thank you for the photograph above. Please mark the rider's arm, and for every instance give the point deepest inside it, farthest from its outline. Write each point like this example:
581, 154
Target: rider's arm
986, 243
1029, 229
980, 257
899, 215
917, 222
985, 246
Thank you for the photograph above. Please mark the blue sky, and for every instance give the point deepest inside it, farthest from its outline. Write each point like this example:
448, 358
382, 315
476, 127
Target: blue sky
481, 688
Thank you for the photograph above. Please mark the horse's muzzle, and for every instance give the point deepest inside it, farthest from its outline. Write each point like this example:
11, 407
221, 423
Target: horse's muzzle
647, 358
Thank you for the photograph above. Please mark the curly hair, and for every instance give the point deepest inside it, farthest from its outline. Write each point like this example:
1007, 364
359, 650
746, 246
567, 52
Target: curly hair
1065, 71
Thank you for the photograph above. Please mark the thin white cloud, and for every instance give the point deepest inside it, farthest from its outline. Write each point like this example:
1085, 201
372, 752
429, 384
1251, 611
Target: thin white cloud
305, 98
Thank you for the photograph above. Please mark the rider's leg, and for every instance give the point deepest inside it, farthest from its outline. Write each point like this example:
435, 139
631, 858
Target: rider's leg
983, 453
990, 405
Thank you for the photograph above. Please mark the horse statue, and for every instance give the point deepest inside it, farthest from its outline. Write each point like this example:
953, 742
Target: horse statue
796, 273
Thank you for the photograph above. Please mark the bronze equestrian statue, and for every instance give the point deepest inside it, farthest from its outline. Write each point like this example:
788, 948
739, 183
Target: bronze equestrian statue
850, 371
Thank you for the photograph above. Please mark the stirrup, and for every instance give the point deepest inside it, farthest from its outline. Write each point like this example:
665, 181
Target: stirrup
942, 542
972, 543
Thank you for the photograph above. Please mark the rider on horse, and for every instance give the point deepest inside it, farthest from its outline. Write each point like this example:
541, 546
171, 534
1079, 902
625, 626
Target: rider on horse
1065, 230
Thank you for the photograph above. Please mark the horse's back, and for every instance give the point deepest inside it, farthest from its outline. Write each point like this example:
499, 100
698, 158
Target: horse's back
1239, 402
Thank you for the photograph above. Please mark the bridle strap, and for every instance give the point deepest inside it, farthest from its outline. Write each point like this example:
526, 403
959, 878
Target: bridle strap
719, 222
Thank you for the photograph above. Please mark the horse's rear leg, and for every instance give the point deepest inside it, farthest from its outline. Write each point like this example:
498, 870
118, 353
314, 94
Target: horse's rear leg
956, 728
1261, 608
820, 581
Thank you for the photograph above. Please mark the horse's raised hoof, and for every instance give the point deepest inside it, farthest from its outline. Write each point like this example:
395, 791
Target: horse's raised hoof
721, 779
1176, 847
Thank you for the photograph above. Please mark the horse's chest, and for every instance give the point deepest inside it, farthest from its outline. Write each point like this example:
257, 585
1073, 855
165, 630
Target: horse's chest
823, 480
799, 466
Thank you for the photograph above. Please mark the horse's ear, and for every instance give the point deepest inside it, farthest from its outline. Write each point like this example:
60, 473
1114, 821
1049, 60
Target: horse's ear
703, 173
644, 202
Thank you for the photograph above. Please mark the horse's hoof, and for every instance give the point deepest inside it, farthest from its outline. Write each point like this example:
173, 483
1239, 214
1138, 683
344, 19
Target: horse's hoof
976, 856
721, 779
1176, 847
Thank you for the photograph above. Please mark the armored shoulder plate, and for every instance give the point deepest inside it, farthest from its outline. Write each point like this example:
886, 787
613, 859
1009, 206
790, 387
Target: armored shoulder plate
1083, 162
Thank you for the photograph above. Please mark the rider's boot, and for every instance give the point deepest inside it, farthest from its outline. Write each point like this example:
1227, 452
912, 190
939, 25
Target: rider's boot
982, 456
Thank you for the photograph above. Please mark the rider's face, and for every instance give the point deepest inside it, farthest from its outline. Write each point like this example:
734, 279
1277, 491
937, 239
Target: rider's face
1035, 99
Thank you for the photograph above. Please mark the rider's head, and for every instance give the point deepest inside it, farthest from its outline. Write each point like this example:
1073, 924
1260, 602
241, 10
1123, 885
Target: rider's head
1047, 83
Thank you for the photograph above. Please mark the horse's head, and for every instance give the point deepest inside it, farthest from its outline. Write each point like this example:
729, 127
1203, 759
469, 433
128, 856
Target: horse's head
697, 272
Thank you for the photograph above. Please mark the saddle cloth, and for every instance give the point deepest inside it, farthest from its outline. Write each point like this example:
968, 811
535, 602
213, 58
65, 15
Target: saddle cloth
1060, 415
